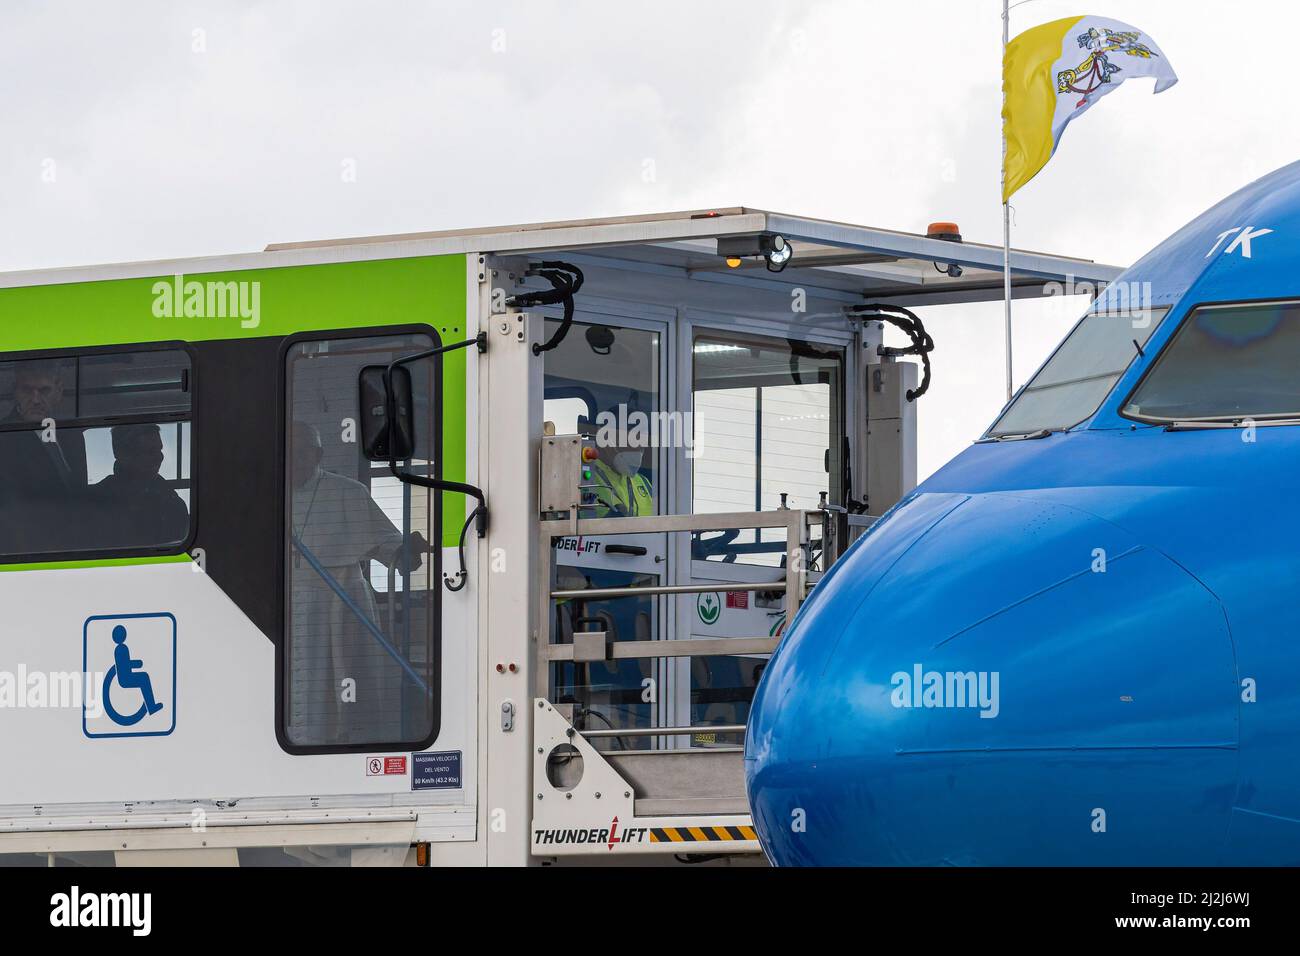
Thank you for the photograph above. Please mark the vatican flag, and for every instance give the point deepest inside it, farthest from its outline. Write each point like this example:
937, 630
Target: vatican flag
1054, 72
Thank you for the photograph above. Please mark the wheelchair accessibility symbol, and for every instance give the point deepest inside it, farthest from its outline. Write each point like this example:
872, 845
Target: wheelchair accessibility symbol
136, 653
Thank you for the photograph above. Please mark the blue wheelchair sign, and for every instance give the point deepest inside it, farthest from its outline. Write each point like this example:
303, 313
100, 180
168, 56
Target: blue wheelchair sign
136, 656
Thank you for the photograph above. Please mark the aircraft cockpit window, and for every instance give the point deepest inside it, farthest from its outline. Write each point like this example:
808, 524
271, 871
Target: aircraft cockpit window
1072, 384
1226, 363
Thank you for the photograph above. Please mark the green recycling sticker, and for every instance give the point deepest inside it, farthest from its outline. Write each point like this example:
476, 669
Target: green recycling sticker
709, 606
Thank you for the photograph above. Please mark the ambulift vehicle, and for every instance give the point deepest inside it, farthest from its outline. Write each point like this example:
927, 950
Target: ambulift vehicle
448, 548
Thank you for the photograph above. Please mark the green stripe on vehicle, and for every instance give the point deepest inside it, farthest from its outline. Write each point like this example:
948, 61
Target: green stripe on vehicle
99, 563
291, 299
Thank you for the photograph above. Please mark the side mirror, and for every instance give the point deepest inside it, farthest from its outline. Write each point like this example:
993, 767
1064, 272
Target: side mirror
383, 438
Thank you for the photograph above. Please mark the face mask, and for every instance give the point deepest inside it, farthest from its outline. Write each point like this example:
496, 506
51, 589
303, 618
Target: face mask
628, 462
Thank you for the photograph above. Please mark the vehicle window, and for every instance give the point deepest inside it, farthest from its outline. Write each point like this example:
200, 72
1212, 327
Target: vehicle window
1071, 386
603, 380
95, 454
1226, 363
767, 421
137, 383
361, 626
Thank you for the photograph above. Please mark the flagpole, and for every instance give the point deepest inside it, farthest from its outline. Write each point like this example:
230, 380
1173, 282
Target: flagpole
1006, 208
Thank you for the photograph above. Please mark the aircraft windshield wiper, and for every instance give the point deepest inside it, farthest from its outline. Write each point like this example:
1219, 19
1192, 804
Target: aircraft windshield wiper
1194, 424
1021, 436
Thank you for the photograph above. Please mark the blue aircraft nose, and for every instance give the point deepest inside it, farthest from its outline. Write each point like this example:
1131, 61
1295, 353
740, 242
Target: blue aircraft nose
997, 679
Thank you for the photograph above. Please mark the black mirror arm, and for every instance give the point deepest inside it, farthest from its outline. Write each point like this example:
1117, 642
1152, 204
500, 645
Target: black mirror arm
441, 484
479, 515
480, 341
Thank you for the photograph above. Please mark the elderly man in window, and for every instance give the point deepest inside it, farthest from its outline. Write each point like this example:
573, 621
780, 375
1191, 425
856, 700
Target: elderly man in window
42, 466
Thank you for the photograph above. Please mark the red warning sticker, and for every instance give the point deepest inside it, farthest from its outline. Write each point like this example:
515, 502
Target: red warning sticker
739, 599
384, 766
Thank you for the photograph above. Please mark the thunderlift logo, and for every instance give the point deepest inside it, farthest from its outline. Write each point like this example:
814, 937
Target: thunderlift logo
595, 836
577, 545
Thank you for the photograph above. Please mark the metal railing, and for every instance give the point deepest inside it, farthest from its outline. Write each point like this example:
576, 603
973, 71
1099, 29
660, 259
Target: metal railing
665, 731
797, 525
680, 647
633, 591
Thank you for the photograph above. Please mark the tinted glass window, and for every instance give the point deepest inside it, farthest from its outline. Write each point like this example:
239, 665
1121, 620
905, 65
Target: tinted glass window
1080, 373
1225, 363
133, 383
95, 453
362, 605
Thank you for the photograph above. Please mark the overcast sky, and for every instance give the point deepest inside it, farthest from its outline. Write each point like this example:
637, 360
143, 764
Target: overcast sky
157, 129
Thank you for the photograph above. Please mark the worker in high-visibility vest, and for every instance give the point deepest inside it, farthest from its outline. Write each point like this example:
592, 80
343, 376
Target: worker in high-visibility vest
617, 485
613, 486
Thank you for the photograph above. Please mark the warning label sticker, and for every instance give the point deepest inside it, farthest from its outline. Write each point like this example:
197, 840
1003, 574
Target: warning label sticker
385, 766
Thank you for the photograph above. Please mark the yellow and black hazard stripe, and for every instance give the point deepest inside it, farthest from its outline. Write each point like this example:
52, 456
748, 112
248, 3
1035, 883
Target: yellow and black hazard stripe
701, 834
